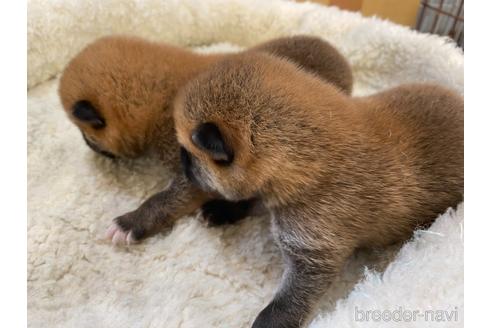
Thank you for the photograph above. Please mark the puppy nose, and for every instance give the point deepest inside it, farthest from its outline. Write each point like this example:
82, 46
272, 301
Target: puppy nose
185, 158
187, 164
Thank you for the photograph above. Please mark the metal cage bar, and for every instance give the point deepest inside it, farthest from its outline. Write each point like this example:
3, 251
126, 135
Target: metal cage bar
443, 18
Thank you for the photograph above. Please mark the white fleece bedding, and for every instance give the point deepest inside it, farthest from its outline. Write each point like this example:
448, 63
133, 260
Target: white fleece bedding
196, 276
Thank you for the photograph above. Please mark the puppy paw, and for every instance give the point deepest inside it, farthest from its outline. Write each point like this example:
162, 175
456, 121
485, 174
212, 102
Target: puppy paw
117, 236
219, 212
126, 229
212, 214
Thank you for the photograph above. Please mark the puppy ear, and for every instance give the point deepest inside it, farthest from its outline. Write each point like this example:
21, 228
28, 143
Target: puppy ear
84, 111
207, 137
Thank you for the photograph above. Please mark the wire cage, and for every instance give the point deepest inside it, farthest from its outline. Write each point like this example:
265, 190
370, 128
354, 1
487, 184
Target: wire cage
443, 17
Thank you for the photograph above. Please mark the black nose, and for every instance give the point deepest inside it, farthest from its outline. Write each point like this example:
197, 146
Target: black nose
185, 159
187, 164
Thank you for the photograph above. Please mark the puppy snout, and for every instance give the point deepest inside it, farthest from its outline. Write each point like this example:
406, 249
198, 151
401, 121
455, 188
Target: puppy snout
185, 159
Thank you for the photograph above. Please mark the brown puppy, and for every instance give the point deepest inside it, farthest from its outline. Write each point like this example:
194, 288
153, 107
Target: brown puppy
119, 90
336, 173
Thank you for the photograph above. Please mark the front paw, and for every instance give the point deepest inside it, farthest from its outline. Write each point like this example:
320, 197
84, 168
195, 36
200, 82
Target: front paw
117, 236
125, 230
219, 212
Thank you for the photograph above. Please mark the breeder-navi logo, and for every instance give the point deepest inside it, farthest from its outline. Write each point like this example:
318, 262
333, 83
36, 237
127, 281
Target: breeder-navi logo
405, 315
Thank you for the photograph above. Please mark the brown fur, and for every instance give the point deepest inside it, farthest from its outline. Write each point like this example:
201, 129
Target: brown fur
335, 172
131, 83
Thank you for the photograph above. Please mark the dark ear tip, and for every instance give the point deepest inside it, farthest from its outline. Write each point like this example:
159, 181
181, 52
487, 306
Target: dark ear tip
207, 136
85, 111
205, 129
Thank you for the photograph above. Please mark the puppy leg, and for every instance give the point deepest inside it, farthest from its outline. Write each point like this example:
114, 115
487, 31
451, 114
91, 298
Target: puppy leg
309, 271
156, 213
302, 286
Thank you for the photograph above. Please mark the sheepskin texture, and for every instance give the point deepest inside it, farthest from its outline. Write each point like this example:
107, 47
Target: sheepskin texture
194, 276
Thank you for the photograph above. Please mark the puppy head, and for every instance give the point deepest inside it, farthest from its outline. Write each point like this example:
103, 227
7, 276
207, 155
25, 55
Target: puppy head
225, 122
252, 124
114, 92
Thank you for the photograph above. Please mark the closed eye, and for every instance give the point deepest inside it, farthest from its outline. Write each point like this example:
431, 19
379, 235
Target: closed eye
86, 112
96, 148
224, 162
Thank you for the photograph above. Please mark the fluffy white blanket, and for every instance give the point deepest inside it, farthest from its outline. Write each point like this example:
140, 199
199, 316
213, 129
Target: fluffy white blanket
195, 276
